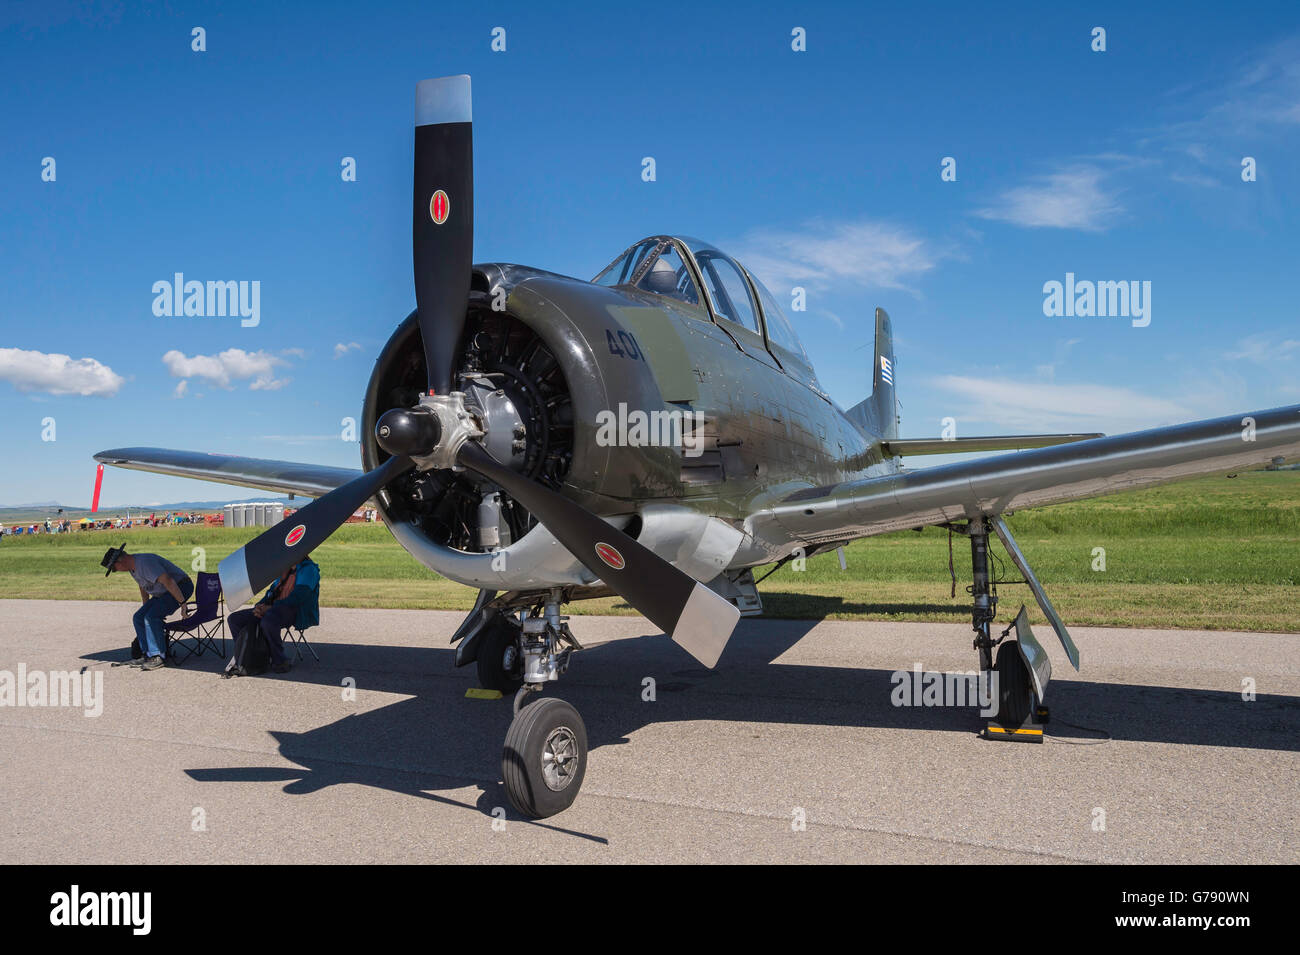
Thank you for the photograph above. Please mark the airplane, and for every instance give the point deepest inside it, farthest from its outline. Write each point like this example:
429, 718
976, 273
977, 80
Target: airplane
489, 448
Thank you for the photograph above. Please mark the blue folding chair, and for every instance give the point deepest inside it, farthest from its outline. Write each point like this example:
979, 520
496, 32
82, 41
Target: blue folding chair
298, 635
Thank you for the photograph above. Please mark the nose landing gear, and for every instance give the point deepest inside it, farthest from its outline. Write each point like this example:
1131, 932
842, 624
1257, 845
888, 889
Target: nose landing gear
545, 755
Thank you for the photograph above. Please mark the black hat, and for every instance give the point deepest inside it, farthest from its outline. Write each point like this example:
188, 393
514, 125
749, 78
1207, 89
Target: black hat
110, 558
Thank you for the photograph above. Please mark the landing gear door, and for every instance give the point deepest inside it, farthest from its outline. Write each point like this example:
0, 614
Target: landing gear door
1035, 657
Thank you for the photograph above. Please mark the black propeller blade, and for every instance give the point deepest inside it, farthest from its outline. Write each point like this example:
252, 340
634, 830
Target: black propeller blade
692, 614
274, 551
442, 232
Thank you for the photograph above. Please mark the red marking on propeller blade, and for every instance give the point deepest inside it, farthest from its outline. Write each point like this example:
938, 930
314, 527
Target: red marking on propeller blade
610, 555
295, 535
439, 207
99, 482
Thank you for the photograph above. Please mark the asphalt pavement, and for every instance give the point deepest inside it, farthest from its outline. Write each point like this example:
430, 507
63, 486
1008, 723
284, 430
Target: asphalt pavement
792, 750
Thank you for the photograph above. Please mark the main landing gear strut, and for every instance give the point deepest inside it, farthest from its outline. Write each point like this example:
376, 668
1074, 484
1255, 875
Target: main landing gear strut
1018, 717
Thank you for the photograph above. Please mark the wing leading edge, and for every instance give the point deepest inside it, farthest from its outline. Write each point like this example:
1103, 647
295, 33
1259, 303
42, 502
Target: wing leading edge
1007, 482
279, 477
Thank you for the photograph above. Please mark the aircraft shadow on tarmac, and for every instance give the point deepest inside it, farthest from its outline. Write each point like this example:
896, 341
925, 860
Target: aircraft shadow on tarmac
437, 739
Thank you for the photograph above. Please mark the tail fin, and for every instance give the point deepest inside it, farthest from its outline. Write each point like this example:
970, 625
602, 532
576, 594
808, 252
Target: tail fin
878, 415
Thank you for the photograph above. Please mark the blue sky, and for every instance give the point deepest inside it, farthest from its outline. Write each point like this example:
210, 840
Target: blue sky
818, 168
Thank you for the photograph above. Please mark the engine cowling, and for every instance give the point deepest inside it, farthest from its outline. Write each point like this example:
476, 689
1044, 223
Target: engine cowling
515, 371
532, 381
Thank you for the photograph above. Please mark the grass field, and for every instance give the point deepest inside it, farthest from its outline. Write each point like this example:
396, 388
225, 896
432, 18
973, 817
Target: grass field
1218, 553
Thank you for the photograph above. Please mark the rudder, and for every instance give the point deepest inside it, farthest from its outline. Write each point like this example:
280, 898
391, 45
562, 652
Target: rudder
878, 415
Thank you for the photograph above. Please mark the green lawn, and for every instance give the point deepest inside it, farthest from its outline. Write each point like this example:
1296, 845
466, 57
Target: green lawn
1215, 554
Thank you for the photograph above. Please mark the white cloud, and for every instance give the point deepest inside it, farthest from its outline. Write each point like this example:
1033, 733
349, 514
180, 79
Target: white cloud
869, 254
341, 349
295, 352
1254, 110
182, 386
1265, 93
231, 365
1264, 350
34, 371
1047, 406
1073, 198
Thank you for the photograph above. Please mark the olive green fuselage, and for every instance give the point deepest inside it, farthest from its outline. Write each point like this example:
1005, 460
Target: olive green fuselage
766, 430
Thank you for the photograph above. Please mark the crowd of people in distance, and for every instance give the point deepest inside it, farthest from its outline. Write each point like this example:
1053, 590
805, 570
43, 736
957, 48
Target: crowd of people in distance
64, 525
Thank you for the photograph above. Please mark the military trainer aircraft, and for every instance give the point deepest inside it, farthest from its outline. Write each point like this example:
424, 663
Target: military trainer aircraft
656, 433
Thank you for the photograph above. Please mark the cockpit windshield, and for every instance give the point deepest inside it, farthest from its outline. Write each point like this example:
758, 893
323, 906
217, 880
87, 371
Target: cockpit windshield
653, 265
779, 330
657, 265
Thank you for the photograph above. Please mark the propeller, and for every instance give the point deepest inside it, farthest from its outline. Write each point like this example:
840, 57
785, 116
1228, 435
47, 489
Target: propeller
268, 555
442, 223
434, 434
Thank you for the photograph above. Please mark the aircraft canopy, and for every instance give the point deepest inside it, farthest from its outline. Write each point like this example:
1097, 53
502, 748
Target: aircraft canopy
702, 275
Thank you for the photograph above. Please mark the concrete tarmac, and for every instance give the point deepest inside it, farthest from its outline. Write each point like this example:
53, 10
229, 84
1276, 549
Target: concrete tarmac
791, 751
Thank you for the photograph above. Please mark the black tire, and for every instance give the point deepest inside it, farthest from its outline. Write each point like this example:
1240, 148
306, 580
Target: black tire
1015, 693
497, 638
523, 766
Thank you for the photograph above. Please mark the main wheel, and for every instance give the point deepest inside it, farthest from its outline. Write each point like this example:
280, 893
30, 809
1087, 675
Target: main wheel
500, 667
1015, 694
545, 758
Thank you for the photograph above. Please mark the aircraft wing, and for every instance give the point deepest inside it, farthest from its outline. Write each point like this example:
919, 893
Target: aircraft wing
279, 477
1009, 482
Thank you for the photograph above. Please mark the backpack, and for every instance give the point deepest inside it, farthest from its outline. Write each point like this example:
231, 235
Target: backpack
251, 655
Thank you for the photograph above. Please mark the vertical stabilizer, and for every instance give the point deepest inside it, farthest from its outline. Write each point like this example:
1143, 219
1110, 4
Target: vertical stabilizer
878, 415
882, 382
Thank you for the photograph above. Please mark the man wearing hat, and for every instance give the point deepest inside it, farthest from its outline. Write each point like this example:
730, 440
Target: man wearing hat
163, 588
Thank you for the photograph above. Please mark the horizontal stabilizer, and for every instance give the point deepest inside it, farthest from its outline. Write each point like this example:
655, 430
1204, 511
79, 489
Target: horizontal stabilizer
993, 442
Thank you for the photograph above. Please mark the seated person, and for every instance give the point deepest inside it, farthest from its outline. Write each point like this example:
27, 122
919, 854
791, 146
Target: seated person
292, 599
164, 587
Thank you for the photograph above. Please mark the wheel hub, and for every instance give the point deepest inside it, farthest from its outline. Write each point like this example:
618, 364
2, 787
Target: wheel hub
559, 758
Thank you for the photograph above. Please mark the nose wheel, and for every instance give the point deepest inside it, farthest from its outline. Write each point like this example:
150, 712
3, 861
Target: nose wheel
545, 758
